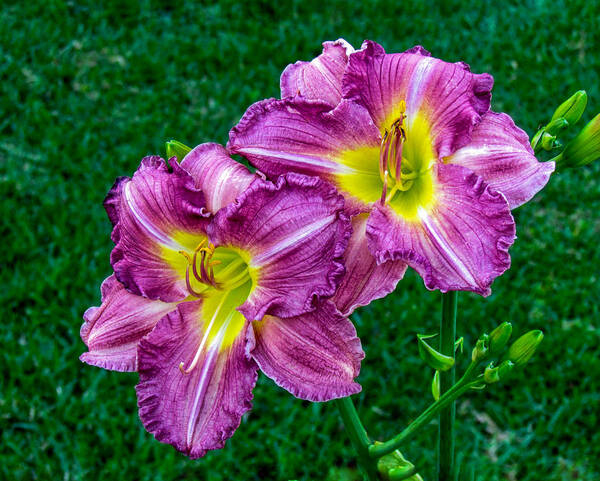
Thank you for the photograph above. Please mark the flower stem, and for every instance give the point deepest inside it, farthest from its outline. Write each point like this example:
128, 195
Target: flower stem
445, 464
381, 449
358, 436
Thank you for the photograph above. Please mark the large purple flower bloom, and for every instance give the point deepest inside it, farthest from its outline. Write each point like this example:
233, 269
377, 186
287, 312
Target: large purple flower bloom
218, 273
412, 144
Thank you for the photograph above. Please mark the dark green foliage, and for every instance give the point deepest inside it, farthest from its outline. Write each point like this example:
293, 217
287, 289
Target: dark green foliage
88, 88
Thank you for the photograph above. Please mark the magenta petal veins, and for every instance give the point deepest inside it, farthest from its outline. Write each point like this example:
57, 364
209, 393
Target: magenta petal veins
321, 78
112, 331
315, 356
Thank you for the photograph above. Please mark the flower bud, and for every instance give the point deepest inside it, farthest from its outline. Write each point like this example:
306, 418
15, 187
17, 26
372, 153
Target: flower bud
395, 466
524, 347
584, 148
572, 108
499, 337
435, 386
500, 373
176, 149
480, 351
433, 358
555, 126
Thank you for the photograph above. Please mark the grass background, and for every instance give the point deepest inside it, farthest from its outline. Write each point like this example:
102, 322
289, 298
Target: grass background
88, 88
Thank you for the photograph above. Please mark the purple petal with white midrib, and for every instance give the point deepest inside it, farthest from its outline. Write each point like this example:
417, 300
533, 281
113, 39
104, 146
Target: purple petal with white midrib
499, 151
451, 98
459, 244
315, 356
296, 233
155, 207
199, 410
365, 280
220, 178
321, 78
112, 331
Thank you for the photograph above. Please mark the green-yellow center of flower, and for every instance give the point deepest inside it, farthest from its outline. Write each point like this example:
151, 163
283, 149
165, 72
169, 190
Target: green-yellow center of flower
220, 268
399, 172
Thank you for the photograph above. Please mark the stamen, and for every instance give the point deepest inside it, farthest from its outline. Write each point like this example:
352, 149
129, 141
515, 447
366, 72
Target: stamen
383, 155
384, 191
188, 284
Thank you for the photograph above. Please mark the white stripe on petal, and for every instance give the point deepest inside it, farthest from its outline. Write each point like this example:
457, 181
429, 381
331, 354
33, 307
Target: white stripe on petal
445, 249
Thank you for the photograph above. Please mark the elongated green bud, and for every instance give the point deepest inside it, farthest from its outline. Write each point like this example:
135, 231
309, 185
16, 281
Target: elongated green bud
435, 386
584, 148
480, 351
176, 149
572, 109
524, 347
554, 127
500, 373
499, 337
433, 358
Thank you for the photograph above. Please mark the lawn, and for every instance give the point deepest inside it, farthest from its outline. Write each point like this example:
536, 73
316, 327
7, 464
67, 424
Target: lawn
88, 88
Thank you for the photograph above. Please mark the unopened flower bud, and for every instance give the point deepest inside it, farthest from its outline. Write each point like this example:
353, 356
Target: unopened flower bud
480, 351
500, 373
555, 126
176, 149
395, 466
524, 347
572, 108
584, 148
499, 337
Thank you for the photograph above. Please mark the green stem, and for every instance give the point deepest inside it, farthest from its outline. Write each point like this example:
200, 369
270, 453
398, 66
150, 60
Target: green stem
358, 436
381, 449
445, 464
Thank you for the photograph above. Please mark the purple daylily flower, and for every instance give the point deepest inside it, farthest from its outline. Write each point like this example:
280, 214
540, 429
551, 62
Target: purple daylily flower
218, 273
411, 143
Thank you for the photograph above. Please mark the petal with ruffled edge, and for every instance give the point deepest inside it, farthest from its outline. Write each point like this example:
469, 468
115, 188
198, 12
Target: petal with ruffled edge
315, 356
499, 151
159, 213
112, 331
340, 145
365, 280
198, 406
459, 243
321, 78
295, 232
220, 178
444, 99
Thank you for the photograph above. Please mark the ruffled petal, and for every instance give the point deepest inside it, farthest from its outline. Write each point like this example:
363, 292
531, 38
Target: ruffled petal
339, 145
459, 243
315, 356
197, 407
365, 280
160, 213
295, 232
112, 331
218, 176
321, 78
499, 151
444, 99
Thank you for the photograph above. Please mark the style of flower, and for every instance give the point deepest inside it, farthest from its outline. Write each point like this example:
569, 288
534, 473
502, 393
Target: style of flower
411, 143
217, 273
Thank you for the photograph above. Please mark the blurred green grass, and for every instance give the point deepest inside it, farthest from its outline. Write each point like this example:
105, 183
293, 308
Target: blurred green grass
88, 88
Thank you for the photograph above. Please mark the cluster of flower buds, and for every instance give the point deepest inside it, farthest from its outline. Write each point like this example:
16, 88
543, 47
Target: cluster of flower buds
581, 150
518, 354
